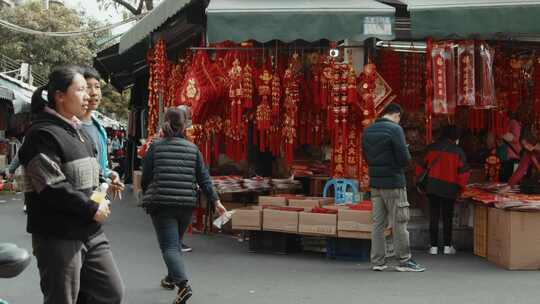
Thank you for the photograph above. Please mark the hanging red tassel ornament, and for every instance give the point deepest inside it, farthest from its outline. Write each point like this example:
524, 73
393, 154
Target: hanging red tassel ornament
492, 167
276, 95
263, 112
536, 95
290, 104
236, 93
326, 78
367, 88
247, 86
157, 62
429, 91
315, 81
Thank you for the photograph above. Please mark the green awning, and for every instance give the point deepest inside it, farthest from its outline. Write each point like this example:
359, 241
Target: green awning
309, 20
165, 10
473, 18
16, 93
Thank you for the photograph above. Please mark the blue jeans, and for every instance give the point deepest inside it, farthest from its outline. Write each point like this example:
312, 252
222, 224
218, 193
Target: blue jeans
170, 228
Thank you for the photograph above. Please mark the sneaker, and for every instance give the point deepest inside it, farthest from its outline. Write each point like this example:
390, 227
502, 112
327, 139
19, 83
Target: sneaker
379, 267
410, 266
165, 283
186, 248
24, 208
184, 293
433, 250
449, 250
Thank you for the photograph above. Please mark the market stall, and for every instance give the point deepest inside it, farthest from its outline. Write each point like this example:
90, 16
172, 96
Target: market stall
484, 80
281, 91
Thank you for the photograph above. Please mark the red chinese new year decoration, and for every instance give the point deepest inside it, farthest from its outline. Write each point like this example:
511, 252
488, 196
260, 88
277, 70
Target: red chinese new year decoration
466, 77
443, 79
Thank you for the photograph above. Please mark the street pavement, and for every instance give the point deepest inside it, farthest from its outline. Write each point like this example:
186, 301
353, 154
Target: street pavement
223, 272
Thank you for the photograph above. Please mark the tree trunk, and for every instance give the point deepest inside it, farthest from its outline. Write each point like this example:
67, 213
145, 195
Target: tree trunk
149, 4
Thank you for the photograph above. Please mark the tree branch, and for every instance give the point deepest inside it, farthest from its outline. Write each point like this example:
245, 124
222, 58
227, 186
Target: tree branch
131, 8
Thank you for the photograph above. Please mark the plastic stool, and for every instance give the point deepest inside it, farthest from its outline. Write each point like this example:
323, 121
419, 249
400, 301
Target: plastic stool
341, 186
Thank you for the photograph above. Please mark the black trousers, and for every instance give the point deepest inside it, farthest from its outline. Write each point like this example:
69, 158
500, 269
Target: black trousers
438, 205
507, 169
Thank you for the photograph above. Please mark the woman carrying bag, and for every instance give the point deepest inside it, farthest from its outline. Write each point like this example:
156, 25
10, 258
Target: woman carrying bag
446, 175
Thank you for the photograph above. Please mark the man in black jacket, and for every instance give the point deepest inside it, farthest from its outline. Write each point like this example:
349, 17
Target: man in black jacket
387, 156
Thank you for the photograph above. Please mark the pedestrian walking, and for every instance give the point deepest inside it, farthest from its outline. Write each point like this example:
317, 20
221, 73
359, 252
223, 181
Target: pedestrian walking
447, 174
172, 169
73, 253
95, 129
387, 155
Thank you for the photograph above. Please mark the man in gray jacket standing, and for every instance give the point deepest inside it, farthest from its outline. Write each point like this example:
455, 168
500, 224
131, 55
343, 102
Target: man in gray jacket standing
387, 156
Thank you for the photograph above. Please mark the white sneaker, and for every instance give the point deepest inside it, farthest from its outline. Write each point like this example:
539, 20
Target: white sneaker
449, 250
379, 267
433, 250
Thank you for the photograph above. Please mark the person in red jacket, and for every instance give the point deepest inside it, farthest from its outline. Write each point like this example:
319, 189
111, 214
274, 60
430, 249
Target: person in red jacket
530, 157
447, 177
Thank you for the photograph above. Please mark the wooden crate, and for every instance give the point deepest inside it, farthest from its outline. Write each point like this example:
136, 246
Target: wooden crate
480, 230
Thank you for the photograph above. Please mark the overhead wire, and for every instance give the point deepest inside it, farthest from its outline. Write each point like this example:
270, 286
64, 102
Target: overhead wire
67, 34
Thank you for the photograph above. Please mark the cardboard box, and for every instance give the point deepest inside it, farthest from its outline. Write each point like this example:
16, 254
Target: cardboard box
273, 201
249, 218
355, 224
234, 205
280, 221
480, 230
317, 224
513, 239
137, 175
307, 204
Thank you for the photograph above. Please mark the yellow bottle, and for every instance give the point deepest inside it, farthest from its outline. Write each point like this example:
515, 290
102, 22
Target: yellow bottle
100, 193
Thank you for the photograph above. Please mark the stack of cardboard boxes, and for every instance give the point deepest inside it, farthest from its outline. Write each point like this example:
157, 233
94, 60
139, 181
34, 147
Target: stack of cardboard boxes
347, 223
509, 239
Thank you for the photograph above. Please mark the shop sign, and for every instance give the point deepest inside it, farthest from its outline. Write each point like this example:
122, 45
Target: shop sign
377, 26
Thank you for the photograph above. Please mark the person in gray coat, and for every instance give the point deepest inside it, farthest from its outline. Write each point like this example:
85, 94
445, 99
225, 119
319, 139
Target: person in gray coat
172, 169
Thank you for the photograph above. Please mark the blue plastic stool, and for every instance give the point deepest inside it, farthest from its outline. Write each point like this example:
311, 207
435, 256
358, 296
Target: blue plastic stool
341, 186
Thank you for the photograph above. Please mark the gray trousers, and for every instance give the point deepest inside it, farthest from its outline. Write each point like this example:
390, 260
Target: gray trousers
70, 267
390, 206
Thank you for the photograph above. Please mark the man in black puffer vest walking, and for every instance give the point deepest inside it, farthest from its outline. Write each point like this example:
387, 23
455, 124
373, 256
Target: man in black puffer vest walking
387, 156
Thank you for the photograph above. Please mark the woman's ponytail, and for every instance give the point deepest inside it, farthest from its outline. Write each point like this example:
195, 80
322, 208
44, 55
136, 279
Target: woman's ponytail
38, 102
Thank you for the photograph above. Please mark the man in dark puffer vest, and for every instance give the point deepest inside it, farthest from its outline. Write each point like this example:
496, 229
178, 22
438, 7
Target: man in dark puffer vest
172, 169
387, 156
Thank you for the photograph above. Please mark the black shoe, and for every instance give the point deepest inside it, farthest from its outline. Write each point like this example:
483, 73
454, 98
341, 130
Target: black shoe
186, 248
165, 283
184, 293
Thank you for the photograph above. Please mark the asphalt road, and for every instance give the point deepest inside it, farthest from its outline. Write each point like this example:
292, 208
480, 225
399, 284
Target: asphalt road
223, 272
